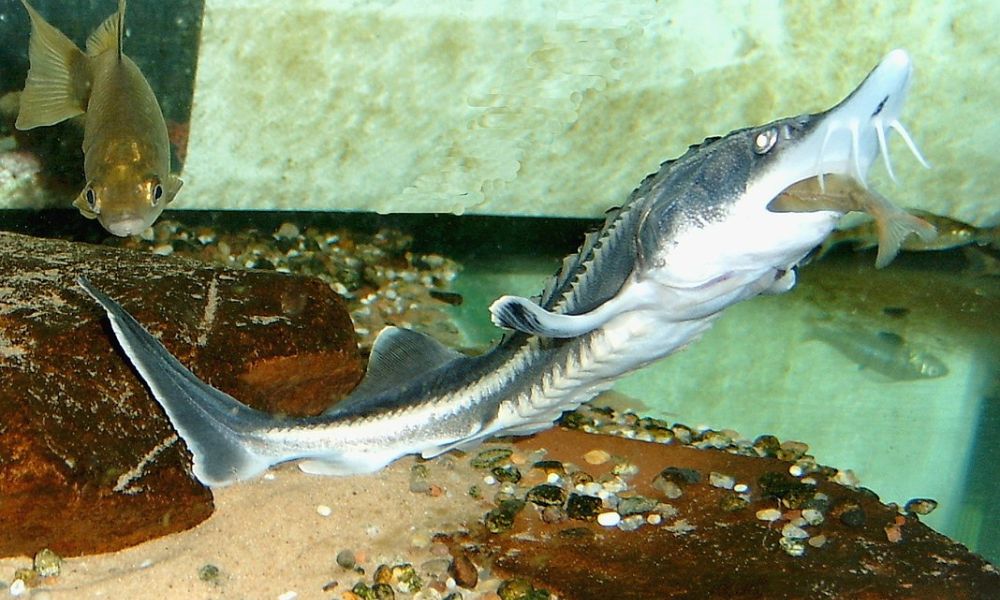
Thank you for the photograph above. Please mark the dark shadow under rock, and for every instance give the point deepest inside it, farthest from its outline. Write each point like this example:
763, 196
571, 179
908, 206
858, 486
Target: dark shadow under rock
88, 460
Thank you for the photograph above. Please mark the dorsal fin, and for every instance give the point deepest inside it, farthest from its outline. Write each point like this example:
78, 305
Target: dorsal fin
109, 35
398, 356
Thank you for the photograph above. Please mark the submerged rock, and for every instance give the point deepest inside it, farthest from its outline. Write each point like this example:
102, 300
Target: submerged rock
88, 461
701, 549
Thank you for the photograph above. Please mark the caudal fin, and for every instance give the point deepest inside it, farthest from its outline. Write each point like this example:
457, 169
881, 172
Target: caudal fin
894, 225
215, 426
58, 82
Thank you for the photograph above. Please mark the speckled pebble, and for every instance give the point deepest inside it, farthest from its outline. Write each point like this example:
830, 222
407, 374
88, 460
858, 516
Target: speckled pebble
792, 547
812, 516
493, 457
47, 563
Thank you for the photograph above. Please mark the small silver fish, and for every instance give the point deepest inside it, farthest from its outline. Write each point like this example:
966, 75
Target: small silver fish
882, 351
125, 144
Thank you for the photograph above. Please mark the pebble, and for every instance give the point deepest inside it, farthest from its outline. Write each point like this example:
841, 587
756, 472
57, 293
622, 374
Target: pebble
494, 457
893, 533
208, 573
582, 507
289, 595
769, 514
631, 522
464, 571
609, 519
720, 480
324, 510
633, 505
790, 530
741, 488
920, 506
18, 587
596, 457
817, 541
812, 516
47, 563
846, 478
654, 519
546, 495
346, 559
792, 547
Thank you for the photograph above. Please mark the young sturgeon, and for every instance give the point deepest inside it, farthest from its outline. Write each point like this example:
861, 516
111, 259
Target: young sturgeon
694, 238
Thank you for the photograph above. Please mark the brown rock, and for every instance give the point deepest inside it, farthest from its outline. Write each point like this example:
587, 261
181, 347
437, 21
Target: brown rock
88, 460
705, 551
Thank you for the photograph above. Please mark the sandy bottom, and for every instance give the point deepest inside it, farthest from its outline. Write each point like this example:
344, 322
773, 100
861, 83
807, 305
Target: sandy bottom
269, 539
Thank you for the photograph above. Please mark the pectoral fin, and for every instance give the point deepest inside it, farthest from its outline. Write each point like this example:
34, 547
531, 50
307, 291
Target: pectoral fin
173, 185
58, 83
521, 314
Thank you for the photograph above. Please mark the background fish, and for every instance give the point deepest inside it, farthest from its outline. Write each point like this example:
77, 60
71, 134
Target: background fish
882, 351
125, 144
950, 234
844, 194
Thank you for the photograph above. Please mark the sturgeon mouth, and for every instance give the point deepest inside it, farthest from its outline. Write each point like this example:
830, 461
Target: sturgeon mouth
865, 118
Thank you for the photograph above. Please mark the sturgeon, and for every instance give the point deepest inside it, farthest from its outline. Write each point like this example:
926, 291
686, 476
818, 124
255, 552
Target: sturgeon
694, 238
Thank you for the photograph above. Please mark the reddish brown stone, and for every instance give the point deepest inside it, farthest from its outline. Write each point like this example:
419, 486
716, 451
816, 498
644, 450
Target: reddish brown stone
726, 554
88, 460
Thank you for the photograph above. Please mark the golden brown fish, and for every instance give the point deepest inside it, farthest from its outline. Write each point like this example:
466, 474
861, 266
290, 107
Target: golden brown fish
950, 234
125, 145
844, 194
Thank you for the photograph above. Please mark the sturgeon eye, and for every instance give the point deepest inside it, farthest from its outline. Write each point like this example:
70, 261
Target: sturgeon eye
765, 140
91, 198
157, 193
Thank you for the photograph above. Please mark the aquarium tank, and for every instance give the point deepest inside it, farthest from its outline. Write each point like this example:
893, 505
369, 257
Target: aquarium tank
471, 146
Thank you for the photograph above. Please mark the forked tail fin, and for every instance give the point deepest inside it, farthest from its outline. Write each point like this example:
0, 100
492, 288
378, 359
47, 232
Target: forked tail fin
217, 428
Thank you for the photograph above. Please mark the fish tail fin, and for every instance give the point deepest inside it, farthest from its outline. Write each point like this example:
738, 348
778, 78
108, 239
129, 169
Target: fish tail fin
894, 225
108, 37
58, 83
217, 428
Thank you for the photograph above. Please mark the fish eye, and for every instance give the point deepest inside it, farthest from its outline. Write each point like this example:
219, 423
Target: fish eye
91, 198
157, 192
765, 140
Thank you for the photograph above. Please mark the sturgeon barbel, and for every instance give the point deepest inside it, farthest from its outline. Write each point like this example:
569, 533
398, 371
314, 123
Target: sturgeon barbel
691, 240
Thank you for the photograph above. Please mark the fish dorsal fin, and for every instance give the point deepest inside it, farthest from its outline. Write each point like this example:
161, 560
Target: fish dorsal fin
58, 83
398, 356
109, 35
